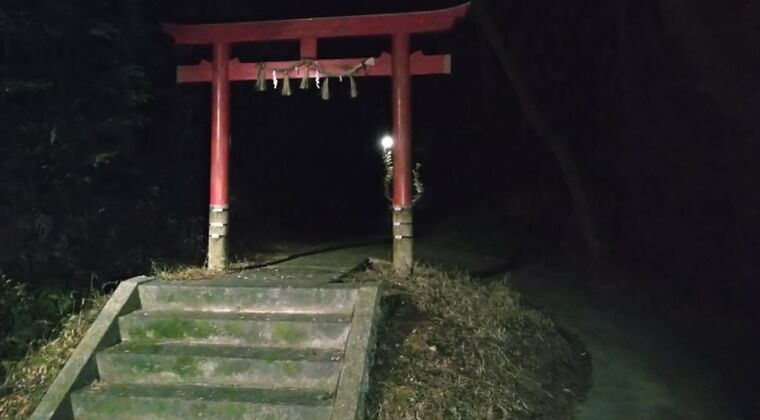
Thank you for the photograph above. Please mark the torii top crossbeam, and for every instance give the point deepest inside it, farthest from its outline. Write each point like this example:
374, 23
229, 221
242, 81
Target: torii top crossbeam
399, 64
326, 27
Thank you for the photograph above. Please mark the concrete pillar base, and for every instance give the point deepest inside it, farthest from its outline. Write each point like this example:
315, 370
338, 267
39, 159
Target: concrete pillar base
217, 238
402, 240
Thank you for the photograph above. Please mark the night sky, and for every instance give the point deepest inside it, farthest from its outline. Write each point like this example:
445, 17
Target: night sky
105, 158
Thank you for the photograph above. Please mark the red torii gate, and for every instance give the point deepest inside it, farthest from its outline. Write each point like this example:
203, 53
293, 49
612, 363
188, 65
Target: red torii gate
400, 64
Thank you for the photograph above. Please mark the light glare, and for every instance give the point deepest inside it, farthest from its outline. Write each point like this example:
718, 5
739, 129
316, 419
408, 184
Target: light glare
386, 142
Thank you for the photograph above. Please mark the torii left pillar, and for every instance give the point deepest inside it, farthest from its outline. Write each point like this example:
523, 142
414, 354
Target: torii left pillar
220, 156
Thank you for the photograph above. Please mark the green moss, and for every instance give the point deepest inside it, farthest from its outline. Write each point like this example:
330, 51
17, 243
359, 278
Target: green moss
186, 366
208, 296
172, 329
144, 365
240, 329
234, 410
229, 367
182, 366
166, 296
290, 369
287, 333
105, 409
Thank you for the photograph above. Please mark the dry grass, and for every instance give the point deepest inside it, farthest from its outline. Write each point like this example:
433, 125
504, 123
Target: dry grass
450, 348
29, 378
184, 272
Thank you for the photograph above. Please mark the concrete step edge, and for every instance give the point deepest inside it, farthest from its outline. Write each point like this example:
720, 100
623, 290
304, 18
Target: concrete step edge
248, 299
165, 369
269, 330
229, 351
241, 316
195, 401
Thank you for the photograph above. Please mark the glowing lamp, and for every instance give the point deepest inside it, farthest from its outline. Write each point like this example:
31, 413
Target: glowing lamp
386, 142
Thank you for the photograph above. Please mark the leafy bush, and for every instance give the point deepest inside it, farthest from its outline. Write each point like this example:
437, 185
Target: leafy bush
29, 378
74, 105
27, 315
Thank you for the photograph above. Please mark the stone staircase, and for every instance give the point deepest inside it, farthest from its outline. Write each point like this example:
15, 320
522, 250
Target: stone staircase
235, 349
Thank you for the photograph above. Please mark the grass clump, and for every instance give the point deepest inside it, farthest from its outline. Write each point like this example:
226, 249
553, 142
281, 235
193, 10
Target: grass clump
188, 272
30, 377
179, 272
450, 348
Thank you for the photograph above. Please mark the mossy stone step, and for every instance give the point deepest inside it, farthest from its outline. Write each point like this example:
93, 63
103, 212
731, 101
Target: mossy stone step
147, 402
214, 365
209, 296
248, 352
325, 331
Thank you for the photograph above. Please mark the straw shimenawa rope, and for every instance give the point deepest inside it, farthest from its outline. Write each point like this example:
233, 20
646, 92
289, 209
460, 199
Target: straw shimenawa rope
320, 72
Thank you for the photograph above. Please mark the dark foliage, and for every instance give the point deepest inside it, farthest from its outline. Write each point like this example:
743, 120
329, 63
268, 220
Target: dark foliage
73, 102
76, 209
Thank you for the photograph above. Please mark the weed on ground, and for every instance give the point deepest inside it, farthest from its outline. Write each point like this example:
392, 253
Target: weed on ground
450, 348
28, 379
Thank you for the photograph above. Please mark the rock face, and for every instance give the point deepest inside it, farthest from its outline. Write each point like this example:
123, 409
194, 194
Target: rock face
237, 348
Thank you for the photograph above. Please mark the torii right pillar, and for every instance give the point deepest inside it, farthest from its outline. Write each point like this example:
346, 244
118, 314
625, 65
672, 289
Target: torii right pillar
402, 157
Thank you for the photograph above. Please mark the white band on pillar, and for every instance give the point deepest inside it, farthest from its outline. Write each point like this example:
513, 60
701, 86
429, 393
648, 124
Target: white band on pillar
402, 222
218, 221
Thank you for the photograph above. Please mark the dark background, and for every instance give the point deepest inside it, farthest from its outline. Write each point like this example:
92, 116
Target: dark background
104, 159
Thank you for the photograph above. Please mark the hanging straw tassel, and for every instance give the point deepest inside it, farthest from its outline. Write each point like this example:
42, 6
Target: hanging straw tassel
326, 89
286, 85
261, 80
305, 79
354, 91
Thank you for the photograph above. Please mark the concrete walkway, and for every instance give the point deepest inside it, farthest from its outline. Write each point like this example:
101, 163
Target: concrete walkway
639, 369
